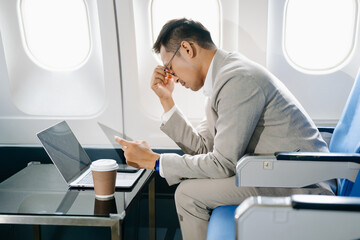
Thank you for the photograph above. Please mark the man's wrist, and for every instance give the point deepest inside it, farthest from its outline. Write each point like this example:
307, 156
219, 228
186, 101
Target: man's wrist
166, 116
167, 104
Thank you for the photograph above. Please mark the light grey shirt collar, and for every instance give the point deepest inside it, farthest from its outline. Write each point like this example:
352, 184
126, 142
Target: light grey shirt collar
208, 85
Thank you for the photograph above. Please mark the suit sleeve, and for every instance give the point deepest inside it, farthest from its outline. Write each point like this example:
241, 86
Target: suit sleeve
191, 140
239, 105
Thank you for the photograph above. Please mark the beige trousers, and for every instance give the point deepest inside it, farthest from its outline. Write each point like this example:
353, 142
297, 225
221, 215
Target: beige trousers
195, 199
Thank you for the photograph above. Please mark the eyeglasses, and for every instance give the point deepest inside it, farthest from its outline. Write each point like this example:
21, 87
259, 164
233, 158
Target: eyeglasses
166, 67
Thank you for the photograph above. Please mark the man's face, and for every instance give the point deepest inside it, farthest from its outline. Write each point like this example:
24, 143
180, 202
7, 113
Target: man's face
183, 68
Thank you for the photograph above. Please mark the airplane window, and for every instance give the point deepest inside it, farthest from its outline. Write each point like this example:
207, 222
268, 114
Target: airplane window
56, 32
319, 35
209, 16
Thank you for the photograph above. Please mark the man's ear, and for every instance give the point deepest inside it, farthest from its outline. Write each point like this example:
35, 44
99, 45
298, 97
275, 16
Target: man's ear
189, 48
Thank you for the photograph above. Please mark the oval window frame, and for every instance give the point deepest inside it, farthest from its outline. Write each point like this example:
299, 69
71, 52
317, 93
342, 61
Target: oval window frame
49, 65
329, 69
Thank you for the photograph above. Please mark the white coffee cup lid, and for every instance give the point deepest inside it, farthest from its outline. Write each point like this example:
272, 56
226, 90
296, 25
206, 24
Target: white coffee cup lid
104, 165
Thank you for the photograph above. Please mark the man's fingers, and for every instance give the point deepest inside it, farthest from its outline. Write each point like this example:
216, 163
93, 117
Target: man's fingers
158, 75
160, 69
122, 142
160, 79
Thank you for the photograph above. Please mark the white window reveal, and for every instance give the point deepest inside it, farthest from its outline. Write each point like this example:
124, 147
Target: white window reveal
56, 32
319, 35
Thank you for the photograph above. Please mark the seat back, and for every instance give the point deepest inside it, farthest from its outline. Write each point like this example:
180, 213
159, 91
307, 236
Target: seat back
346, 137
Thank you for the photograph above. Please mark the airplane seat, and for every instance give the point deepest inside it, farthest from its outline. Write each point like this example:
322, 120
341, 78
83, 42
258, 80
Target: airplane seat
222, 223
345, 139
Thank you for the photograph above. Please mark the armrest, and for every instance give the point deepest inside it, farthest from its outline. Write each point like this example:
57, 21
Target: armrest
261, 217
318, 156
326, 129
322, 202
267, 171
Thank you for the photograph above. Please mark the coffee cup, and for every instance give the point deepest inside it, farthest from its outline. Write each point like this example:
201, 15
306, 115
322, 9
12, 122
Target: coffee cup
104, 176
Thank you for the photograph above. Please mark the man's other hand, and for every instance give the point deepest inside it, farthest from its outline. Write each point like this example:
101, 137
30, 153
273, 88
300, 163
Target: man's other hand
138, 153
162, 84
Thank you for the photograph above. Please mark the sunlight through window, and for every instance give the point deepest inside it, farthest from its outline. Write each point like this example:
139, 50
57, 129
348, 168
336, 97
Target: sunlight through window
56, 32
319, 35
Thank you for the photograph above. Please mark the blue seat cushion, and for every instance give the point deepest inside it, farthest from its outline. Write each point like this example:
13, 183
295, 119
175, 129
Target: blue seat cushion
222, 223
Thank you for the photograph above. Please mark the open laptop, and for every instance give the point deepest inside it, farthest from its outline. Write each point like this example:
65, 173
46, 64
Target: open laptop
72, 161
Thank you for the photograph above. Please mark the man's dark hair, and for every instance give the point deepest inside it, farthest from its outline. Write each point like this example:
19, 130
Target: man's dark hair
177, 30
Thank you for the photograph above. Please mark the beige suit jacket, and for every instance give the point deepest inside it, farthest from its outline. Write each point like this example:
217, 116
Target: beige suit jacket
250, 111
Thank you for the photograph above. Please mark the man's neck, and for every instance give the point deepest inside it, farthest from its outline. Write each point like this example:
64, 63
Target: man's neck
206, 58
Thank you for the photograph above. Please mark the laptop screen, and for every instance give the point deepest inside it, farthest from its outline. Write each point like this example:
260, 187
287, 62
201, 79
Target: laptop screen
64, 150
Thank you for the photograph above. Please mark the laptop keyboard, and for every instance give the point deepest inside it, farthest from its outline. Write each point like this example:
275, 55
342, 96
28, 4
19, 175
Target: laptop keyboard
87, 179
